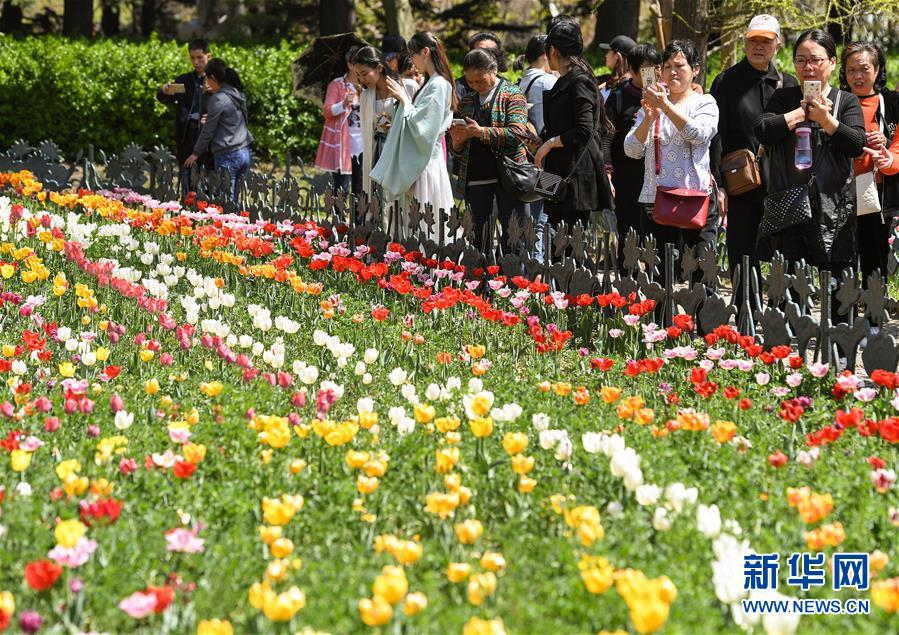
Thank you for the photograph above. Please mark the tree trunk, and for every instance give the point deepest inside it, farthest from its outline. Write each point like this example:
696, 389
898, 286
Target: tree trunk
616, 17
11, 18
206, 13
690, 22
78, 17
148, 10
398, 14
336, 16
109, 22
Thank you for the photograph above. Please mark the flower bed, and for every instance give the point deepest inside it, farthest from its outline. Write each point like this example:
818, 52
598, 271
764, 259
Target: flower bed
225, 426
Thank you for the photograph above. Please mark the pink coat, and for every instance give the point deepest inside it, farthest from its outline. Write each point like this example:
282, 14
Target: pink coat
334, 148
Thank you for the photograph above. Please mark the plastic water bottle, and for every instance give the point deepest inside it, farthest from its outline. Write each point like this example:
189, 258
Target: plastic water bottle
803, 155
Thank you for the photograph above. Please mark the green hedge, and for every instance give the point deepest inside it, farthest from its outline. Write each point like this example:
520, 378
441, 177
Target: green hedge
78, 92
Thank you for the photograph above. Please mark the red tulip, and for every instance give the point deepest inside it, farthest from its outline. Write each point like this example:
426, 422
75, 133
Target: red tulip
778, 459
42, 574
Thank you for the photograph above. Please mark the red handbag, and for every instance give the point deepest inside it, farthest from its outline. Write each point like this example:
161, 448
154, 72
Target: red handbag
680, 207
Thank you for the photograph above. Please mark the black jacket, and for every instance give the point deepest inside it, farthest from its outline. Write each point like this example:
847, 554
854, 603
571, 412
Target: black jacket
831, 235
742, 93
627, 173
183, 101
571, 110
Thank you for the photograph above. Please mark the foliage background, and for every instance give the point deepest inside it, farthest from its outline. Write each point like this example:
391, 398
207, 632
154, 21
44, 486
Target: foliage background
77, 92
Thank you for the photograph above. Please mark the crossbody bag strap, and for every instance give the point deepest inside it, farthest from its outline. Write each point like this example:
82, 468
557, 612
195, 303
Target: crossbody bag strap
530, 85
580, 159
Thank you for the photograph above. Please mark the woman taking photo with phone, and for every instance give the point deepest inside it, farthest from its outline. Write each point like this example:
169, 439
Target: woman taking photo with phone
673, 132
412, 165
811, 135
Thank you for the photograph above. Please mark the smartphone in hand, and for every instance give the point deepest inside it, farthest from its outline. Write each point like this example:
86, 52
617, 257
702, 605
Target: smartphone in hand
648, 75
811, 89
459, 122
177, 88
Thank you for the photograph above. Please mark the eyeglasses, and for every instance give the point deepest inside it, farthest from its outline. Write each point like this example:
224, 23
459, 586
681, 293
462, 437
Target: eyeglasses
814, 62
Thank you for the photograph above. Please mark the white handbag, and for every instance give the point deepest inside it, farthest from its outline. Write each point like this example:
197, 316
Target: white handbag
867, 199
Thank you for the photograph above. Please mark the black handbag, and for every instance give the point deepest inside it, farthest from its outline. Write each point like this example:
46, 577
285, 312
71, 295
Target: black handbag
553, 187
518, 180
786, 209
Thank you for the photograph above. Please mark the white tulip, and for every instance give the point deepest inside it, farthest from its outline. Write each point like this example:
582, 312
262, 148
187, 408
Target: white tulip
540, 421
397, 376
564, 449
590, 441
360, 368
319, 337
308, 375
367, 379
648, 494
89, 358
708, 520
475, 384
660, 519
432, 393
370, 356
633, 479
453, 383
365, 404
123, 419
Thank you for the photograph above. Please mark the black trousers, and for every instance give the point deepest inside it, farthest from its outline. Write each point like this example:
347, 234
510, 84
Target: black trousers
873, 245
744, 214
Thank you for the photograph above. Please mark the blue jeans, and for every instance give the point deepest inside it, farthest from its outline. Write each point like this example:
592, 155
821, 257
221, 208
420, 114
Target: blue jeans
236, 163
539, 216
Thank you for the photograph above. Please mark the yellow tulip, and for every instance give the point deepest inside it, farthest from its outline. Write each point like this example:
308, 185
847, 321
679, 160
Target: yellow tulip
281, 547
415, 603
69, 532
469, 531
20, 460
481, 427
458, 571
515, 443
67, 369
375, 611
391, 584
215, 627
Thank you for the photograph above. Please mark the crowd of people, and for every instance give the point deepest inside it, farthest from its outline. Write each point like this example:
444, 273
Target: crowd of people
800, 162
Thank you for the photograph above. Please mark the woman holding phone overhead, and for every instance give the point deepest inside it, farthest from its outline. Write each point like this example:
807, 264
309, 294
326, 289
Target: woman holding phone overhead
412, 165
811, 135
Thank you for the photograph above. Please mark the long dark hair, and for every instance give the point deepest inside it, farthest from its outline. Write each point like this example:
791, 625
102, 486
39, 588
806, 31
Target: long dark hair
373, 58
880, 81
426, 39
565, 36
